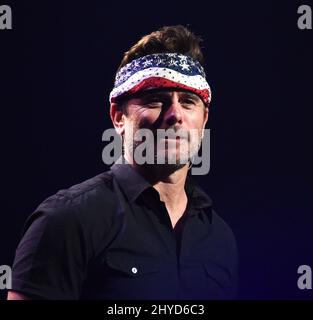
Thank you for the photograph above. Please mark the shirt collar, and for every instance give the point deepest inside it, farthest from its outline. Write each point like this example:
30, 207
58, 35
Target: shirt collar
196, 195
133, 184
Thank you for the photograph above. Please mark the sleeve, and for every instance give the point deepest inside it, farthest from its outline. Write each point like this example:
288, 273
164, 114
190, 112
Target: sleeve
234, 294
230, 256
51, 258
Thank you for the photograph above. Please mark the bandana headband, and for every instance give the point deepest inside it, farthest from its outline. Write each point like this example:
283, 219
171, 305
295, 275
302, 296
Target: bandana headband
161, 70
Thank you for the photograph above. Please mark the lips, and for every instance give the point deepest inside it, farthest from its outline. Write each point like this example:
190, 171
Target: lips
170, 142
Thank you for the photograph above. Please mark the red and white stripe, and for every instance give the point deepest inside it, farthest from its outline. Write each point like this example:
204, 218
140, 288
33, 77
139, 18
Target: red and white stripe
163, 78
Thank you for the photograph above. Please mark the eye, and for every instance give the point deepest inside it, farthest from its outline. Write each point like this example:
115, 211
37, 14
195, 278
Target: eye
188, 102
154, 102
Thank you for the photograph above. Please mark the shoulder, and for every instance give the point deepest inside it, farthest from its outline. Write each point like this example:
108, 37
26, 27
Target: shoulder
81, 204
79, 218
223, 229
224, 238
93, 188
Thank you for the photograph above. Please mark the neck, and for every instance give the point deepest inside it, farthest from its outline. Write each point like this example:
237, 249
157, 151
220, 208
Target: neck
169, 181
164, 178
172, 187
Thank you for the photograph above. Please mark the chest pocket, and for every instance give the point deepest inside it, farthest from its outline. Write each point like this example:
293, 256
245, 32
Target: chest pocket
126, 265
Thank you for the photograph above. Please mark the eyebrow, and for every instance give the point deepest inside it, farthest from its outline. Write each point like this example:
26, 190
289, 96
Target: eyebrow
191, 95
160, 93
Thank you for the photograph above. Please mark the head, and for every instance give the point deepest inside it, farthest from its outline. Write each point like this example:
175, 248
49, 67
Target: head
160, 85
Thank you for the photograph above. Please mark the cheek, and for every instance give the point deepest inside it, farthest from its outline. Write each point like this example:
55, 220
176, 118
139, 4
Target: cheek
138, 119
145, 118
196, 120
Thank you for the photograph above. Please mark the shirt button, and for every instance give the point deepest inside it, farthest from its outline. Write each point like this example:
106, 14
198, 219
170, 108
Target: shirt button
134, 270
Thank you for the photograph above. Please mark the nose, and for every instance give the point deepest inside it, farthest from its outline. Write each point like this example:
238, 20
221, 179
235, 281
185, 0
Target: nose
173, 113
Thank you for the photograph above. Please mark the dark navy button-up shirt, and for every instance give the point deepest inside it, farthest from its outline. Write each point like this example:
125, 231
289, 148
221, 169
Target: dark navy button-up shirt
111, 237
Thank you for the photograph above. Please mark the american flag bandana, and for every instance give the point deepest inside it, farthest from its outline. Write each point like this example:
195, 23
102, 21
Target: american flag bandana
161, 70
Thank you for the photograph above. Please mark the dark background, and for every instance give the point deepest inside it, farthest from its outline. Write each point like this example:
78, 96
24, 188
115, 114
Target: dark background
57, 69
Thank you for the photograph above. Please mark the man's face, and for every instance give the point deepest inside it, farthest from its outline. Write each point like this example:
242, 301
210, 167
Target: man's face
166, 109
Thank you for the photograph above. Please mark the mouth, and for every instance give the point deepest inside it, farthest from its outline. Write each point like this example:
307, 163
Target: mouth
170, 143
173, 139
168, 139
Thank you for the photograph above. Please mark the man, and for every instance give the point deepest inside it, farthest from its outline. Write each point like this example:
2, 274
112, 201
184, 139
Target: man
140, 230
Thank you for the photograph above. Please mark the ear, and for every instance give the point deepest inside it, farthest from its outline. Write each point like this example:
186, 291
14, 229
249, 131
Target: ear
206, 116
117, 118
205, 120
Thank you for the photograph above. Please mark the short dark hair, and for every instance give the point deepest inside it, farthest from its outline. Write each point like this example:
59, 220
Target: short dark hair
168, 39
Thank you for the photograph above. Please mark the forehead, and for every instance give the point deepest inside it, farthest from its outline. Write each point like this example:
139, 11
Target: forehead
165, 92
